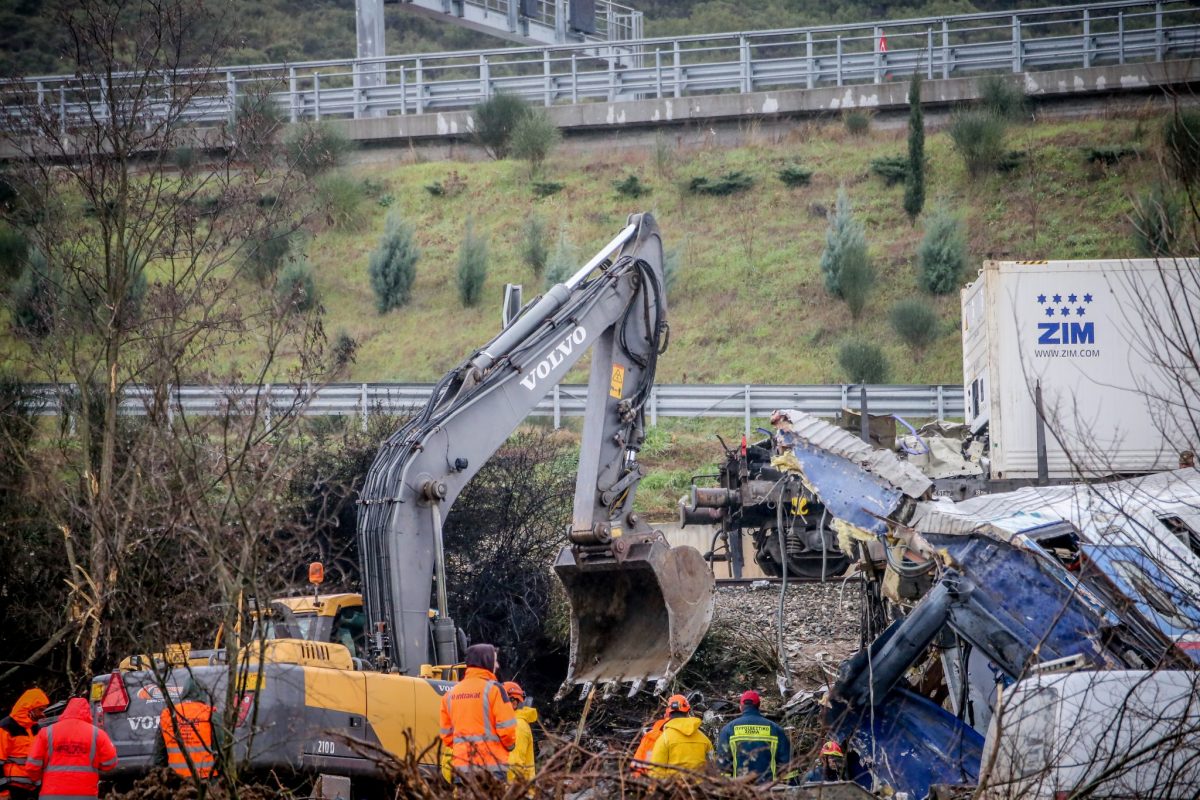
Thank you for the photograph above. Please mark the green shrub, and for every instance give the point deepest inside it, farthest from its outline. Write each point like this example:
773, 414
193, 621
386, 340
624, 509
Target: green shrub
726, 184
344, 350
564, 260
793, 175
845, 243
393, 266
1157, 222
296, 289
313, 149
631, 186
534, 251
1110, 155
1003, 97
257, 120
942, 254
472, 266
534, 138
978, 136
34, 302
495, 120
916, 323
893, 169
546, 188
1012, 160
1181, 137
856, 279
14, 249
857, 121
341, 197
863, 362
185, 158
914, 181
266, 251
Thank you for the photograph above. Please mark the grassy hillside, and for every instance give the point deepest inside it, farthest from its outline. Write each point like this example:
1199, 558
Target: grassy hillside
748, 304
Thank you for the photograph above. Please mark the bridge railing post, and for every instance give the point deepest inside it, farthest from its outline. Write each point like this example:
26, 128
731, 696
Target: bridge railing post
484, 87
658, 73
547, 79
1121, 37
946, 52
574, 78
744, 58
876, 35
1016, 43
317, 96
612, 75
62, 109
420, 88
810, 80
293, 98
839, 60
928, 54
231, 90
678, 70
1160, 49
1087, 39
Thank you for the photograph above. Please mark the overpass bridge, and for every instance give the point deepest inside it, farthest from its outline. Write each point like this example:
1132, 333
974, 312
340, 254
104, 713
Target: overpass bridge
1097, 47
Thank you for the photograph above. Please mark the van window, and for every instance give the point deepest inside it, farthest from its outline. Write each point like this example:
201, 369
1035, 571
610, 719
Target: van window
1184, 532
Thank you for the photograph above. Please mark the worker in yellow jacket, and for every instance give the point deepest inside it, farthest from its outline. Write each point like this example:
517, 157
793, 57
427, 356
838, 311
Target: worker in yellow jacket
521, 765
682, 747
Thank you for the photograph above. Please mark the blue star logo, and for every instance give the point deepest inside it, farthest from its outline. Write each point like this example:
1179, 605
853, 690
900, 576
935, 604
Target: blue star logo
1087, 298
1058, 298
1071, 298
1066, 312
1079, 311
1041, 299
1049, 312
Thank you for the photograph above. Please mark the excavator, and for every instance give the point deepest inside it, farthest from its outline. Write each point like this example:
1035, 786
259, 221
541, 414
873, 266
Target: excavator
330, 682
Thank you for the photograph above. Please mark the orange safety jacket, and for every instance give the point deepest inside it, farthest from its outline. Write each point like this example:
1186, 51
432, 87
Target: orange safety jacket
478, 724
16, 736
69, 756
645, 748
193, 720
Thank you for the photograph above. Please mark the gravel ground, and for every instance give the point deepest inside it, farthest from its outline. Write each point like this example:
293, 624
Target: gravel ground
821, 623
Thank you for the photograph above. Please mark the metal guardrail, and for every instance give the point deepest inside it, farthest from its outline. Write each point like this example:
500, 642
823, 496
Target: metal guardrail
666, 400
1048, 38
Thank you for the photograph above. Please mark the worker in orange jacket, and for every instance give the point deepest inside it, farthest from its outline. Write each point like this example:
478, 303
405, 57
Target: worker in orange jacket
16, 736
187, 733
641, 756
478, 724
69, 756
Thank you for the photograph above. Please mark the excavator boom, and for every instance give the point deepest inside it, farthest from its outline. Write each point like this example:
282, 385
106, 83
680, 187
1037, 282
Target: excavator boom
638, 607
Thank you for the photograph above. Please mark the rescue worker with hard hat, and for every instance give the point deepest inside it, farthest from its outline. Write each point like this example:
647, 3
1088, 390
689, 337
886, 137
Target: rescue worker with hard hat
832, 766
645, 747
187, 735
682, 745
521, 766
17, 732
479, 726
69, 756
753, 744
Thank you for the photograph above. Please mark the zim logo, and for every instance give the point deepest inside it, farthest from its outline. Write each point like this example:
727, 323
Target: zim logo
1065, 306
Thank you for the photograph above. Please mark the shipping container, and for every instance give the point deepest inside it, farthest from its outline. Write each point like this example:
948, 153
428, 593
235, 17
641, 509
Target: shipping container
1099, 338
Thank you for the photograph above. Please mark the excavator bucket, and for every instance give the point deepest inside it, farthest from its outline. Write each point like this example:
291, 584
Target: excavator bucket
637, 613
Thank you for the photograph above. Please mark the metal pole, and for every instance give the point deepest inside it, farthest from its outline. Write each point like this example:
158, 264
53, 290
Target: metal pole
557, 408
612, 75
658, 72
574, 79
839, 60
678, 71
929, 53
1087, 39
420, 88
231, 87
484, 91
744, 58
317, 96
364, 408
1159, 46
293, 111
808, 57
878, 34
746, 408
945, 49
1043, 469
403, 91
1016, 43
1121, 37
864, 424
653, 405
547, 81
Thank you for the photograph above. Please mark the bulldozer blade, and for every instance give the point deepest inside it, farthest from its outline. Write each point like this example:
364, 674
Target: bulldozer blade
638, 619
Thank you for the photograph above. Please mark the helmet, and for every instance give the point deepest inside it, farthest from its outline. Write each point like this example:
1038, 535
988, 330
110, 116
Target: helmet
832, 748
515, 692
678, 702
752, 697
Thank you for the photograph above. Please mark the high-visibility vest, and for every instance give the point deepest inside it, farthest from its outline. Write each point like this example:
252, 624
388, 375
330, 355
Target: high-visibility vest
478, 724
194, 722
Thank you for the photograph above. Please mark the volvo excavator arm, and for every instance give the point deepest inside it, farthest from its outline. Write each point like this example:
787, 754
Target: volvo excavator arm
639, 608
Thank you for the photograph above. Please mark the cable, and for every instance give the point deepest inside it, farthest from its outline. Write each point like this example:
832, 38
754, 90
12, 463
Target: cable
916, 435
783, 559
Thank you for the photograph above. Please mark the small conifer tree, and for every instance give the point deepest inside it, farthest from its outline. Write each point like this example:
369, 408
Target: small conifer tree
393, 266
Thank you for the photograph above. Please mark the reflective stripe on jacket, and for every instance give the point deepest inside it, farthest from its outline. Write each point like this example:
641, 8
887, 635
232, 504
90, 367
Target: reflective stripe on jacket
194, 722
753, 744
521, 765
16, 736
69, 756
478, 724
682, 746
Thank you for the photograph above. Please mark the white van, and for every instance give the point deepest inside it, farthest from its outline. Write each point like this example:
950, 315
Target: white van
1114, 734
